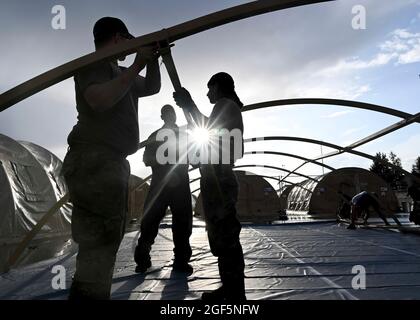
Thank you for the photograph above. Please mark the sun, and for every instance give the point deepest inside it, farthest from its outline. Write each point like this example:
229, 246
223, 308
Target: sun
200, 135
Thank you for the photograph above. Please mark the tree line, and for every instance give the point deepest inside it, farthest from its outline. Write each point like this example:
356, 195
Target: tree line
391, 175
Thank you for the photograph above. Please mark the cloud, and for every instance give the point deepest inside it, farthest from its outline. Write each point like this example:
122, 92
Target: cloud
403, 47
338, 114
405, 151
354, 63
340, 88
411, 56
353, 130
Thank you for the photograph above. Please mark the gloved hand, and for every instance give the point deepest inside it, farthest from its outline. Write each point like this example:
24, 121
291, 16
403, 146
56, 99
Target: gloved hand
183, 99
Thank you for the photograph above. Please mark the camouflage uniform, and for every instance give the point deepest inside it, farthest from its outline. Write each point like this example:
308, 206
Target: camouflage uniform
178, 199
170, 187
219, 190
97, 174
97, 179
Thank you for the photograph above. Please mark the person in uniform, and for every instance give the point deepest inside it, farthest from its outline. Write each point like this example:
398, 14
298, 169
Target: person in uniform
219, 186
95, 167
360, 204
170, 187
413, 191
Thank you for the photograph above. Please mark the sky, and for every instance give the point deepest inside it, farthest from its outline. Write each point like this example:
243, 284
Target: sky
310, 51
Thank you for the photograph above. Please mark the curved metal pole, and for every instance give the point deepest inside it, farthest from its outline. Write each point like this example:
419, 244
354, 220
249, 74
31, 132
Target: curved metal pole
263, 166
333, 102
274, 168
292, 156
286, 181
258, 175
268, 177
143, 143
34, 231
318, 142
195, 190
374, 136
171, 34
327, 144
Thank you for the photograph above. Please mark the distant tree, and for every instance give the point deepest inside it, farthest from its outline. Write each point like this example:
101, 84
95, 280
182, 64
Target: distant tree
396, 175
416, 167
390, 174
394, 159
379, 168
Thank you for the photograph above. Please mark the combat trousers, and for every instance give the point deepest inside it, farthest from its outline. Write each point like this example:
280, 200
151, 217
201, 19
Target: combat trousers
219, 190
97, 179
178, 199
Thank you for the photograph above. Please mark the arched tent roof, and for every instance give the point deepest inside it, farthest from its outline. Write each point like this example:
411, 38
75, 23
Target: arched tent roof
52, 166
28, 185
257, 199
27, 193
324, 199
284, 195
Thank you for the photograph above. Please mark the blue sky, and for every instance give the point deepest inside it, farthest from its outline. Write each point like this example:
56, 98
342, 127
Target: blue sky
310, 51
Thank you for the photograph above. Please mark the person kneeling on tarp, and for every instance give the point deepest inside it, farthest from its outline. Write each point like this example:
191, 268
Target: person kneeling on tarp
361, 203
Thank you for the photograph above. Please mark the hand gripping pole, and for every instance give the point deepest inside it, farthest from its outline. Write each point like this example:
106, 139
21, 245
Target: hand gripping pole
165, 51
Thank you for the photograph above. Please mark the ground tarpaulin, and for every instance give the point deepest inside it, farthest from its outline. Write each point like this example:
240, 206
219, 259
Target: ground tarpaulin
285, 261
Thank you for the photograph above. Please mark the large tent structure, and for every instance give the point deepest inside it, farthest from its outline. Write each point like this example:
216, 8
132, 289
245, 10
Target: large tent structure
257, 199
30, 184
321, 198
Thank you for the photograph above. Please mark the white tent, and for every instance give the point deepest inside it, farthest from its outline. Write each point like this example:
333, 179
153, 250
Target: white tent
30, 184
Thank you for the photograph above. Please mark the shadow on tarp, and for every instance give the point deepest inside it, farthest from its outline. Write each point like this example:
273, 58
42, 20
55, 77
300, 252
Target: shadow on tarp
176, 287
35, 278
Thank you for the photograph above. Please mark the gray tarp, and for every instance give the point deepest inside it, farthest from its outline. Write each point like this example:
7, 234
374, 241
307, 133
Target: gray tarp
286, 261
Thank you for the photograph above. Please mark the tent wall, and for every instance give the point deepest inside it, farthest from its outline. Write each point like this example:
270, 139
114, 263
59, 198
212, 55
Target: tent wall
27, 193
257, 199
52, 167
32, 191
7, 205
283, 197
299, 197
325, 198
136, 199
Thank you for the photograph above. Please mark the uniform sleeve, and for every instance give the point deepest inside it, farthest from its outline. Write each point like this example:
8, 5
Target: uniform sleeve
221, 115
226, 114
149, 155
96, 74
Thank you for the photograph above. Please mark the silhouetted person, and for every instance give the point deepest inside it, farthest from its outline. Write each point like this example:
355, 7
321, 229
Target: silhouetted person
414, 192
219, 186
95, 167
170, 187
360, 204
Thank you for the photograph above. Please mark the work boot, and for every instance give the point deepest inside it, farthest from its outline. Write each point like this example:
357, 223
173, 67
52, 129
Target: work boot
80, 291
221, 294
183, 267
142, 258
214, 296
351, 226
